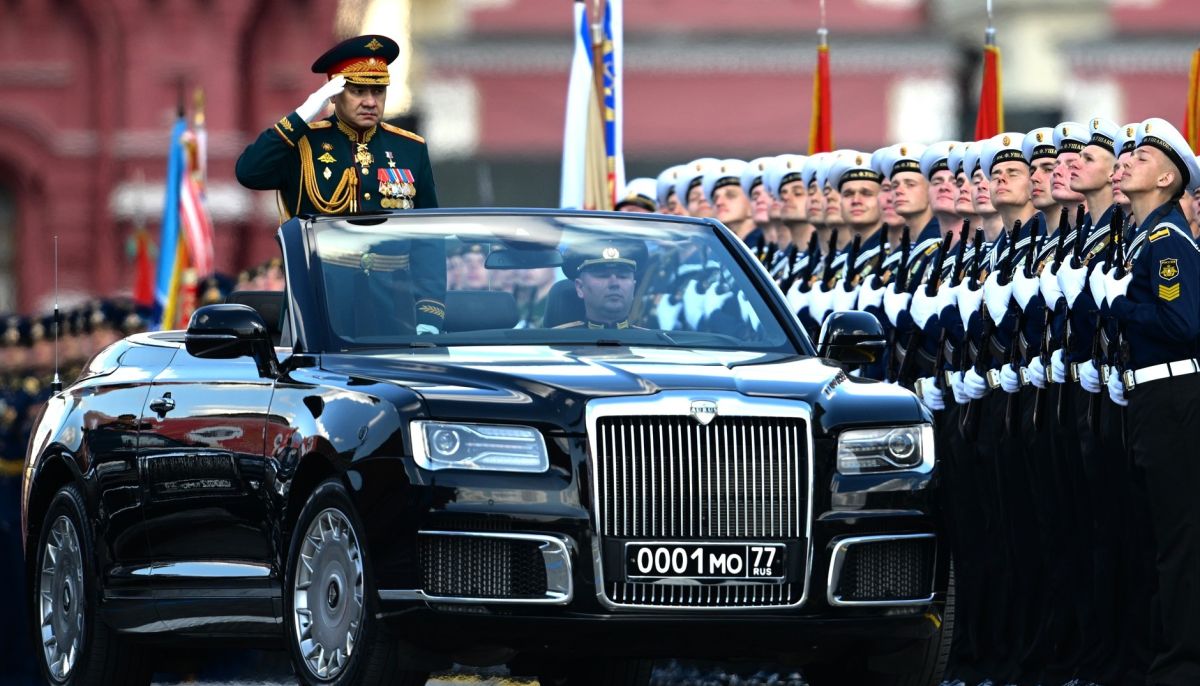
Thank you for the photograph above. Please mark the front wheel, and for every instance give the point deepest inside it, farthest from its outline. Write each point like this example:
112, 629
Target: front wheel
78, 648
329, 600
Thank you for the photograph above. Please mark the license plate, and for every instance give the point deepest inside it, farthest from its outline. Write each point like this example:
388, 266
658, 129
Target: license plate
705, 561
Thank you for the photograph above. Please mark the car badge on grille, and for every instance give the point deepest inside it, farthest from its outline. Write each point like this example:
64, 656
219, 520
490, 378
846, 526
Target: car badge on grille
704, 411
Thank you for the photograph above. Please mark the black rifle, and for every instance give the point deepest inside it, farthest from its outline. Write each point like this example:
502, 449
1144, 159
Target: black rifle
1014, 349
810, 260
970, 418
850, 270
916, 336
1060, 252
956, 275
830, 253
1081, 235
1115, 229
898, 278
772, 248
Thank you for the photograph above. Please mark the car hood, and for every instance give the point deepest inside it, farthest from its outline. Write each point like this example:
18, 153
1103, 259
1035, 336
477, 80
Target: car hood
553, 384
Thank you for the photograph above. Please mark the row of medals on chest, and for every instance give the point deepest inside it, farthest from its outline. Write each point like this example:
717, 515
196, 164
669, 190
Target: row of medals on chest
395, 194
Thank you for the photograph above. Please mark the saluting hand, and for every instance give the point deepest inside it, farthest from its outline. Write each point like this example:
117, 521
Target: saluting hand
317, 101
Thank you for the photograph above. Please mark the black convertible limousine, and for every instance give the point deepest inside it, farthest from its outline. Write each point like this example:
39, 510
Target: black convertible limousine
655, 462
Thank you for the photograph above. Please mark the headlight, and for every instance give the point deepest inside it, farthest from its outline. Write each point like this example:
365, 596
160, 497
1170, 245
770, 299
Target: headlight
885, 449
493, 447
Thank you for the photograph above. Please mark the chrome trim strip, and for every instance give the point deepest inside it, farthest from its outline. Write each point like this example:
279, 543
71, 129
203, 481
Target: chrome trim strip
205, 569
838, 558
678, 404
556, 556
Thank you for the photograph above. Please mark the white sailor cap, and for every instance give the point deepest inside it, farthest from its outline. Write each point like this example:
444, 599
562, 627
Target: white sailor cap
725, 173
811, 166
898, 158
1128, 138
641, 192
782, 170
822, 177
691, 176
937, 157
1004, 147
853, 166
1104, 133
665, 183
1159, 133
1039, 144
971, 157
755, 173
957, 157
1070, 136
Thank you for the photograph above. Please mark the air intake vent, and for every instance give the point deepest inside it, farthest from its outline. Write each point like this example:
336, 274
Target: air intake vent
482, 567
886, 570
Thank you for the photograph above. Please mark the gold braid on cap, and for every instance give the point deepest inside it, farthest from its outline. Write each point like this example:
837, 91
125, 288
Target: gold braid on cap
371, 71
345, 196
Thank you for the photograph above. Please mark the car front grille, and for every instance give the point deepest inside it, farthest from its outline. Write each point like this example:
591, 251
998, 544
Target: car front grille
886, 570
669, 477
480, 567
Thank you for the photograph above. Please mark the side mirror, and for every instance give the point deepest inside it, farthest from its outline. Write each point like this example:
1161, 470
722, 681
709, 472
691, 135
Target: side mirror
852, 338
225, 332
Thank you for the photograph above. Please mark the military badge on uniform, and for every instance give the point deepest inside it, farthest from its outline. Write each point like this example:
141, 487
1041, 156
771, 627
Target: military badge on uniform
326, 158
363, 157
1168, 269
398, 187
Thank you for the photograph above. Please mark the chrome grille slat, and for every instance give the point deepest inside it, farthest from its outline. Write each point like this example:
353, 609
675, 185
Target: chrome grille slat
666, 477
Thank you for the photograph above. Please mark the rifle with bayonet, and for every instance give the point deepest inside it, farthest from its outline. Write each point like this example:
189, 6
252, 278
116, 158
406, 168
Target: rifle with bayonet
1060, 252
1081, 234
898, 278
1097, 357
970, 418
916, 336
956, 275
1014, 348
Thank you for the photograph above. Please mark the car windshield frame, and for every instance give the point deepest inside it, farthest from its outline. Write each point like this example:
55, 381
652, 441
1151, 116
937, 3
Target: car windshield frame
785, 335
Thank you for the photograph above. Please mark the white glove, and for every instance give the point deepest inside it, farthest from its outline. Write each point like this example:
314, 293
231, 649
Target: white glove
667, 313
797, 298
1096, 285
820, 301
974, 385
693, 304
1024, 288
1010, 380
423, 329
869, 295
1114, 287
1089, 377
1058, 368
1071, 280
956, 387
316, 102
748, 314
996, 296
713, 301
923, 307
947, 296
930, 394
968, 301
1048, 281
1037, 372
844, 300
1116, 389
894, 303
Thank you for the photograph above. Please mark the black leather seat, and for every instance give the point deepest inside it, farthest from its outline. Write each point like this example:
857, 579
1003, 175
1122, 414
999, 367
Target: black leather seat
268, 304
563, 305
478, 310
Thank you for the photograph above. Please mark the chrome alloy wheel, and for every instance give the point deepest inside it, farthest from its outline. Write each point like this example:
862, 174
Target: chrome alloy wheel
327, 597
61, 598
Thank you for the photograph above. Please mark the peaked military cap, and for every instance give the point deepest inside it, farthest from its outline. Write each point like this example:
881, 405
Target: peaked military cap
725, 173
640, 192
1039, 144
899, 158
782, 170
1004, 147
937, 158
1103, 133
812, 165
855, 166
957, 157
602, 253
1070, 136
971, 157
1159, 133
691, 176
363, 60
755, 173
822, 177
665, 183
1128, 138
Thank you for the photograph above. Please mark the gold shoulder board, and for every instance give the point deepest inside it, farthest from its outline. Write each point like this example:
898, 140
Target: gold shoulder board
1161, 233
397, 130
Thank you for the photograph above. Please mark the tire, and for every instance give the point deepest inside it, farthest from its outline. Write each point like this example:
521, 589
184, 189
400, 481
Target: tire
78, 648
330, 601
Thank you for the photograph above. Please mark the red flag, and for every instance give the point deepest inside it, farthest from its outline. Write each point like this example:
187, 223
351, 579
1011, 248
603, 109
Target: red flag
1191, 124
143, 279
990, 119
820, 135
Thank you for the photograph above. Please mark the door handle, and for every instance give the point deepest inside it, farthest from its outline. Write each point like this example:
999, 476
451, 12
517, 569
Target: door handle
161, 406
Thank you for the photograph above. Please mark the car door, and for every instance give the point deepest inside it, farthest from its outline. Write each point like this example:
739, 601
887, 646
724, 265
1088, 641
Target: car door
202, 452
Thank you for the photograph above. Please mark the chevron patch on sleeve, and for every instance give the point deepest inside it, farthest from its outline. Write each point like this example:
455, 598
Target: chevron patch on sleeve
1168, 293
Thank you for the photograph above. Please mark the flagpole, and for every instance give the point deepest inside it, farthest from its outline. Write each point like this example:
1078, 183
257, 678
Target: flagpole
820, 134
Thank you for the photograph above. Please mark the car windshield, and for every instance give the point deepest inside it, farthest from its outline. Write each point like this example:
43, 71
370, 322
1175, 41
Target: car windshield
422, 281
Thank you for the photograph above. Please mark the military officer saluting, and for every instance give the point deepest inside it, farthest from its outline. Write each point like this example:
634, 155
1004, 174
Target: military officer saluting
348, 162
